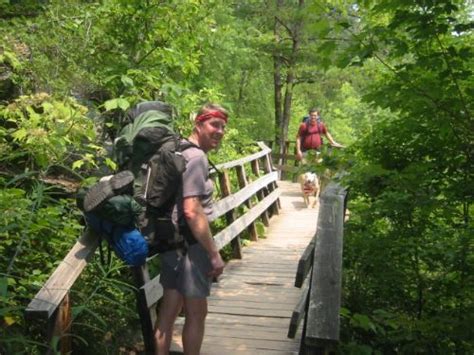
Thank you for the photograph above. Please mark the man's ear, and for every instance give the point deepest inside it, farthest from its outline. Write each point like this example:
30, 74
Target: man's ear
197, 127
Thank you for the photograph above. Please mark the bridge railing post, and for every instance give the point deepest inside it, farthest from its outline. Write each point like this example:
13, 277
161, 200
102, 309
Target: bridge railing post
225, 187
242, 179
268, 168
260, 194
321, 320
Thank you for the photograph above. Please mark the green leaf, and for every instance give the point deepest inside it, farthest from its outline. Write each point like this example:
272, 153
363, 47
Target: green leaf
362, 321
123, 104
77, 164
127, 81
20, 134
111, 104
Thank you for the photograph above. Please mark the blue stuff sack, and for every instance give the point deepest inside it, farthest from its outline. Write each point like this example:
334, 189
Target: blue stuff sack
127, 242
130, 246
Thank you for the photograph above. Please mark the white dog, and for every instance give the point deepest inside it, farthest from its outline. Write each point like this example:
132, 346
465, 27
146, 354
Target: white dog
309, 187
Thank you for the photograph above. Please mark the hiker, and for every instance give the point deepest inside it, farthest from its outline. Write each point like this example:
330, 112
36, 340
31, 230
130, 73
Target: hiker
309, 135
186, 276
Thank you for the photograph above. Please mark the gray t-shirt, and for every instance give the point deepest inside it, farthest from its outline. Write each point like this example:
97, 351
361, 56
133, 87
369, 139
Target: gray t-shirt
196, 182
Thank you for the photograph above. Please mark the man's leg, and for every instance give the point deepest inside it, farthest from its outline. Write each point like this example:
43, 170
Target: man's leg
193, 332
170, 307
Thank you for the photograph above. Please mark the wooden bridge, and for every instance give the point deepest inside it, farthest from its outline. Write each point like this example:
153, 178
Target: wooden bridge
254, 307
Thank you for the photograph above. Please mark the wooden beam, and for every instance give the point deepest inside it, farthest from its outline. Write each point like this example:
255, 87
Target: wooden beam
61, 327
230, 232
226, 204
305, 263
147, 313
49, 297
268, 167
243, 182
325, 293
225, 185
265, 150
298, 313
260, 196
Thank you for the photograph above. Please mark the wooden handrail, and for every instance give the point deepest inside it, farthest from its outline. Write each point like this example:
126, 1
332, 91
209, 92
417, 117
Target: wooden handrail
56, 290
322, 261
230, 202
322, 323
50, 296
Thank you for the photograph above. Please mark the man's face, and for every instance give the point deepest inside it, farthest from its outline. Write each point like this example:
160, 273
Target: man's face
210, 133
313, 116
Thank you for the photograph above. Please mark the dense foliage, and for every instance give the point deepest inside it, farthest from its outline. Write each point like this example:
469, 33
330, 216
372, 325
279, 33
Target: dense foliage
393, 79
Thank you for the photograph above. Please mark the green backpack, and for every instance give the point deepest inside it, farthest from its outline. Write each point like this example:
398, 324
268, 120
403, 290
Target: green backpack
149, 148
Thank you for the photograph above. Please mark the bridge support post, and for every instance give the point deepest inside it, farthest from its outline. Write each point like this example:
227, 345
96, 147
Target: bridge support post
59, 327
260, 195
242, 178
147, 314
224, 183
267, 167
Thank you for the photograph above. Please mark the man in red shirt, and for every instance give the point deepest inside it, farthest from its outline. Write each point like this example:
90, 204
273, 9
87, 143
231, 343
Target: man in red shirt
309, 135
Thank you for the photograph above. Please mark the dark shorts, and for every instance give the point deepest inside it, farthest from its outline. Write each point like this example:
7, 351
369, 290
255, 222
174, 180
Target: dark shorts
187, 274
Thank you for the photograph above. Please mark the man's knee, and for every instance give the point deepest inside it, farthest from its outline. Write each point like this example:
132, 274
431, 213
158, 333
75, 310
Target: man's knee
196, 309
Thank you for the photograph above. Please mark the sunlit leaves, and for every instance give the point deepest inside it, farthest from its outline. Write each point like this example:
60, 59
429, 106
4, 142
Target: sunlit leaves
46, 130
113, 104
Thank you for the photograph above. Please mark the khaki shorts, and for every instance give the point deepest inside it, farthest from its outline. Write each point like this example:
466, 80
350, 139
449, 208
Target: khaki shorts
188, 274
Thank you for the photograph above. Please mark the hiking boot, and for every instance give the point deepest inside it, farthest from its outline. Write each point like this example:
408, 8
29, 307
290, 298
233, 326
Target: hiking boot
107, 188
121, 181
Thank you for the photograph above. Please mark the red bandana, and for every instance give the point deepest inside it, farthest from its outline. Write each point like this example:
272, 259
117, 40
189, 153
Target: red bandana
210, 114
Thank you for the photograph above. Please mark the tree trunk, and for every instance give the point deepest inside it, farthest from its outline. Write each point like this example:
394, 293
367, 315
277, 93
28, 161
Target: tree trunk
278, 86
290, 81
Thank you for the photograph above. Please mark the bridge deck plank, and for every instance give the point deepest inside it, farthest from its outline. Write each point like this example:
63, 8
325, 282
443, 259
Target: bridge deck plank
251, 305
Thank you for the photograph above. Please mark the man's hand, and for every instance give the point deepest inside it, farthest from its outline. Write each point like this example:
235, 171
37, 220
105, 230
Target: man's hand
217, 265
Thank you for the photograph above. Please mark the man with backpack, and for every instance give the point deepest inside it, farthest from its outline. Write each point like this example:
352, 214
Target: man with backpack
186, 276
309, 135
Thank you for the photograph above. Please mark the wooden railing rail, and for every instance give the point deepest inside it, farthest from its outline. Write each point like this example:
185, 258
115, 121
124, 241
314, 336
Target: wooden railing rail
322, 261
54, 295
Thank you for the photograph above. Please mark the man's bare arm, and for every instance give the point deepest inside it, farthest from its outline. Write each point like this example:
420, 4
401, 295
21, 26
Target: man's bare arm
199, 226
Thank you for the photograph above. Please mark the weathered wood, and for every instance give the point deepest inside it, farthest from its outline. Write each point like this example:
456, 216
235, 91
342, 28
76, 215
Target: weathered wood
267, 167
147, 313
298, 313
226, 235
61, 327
242, 179
324, 303
265, 151
55, 289
224, 182
305, 263
230, 202
260, 196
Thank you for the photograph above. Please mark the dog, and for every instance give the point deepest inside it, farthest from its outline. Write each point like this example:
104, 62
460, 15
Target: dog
309, 183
